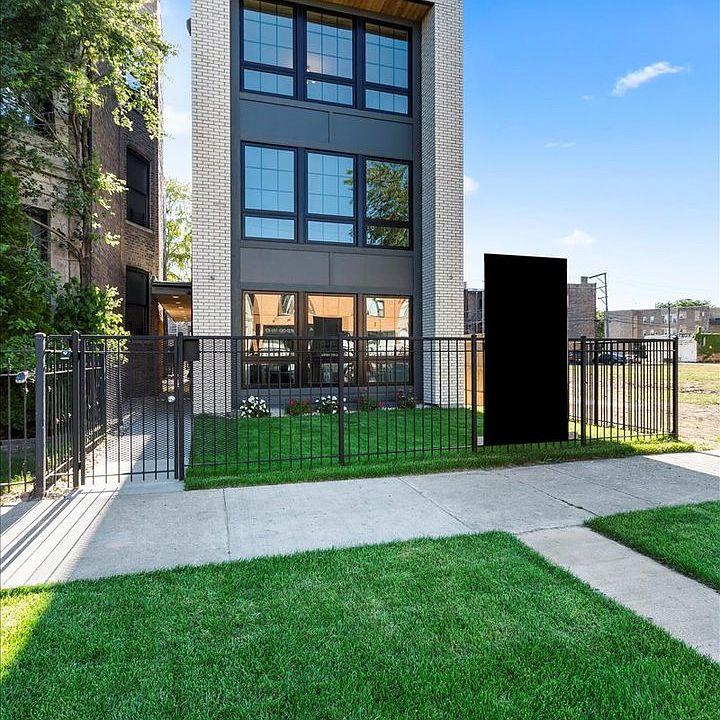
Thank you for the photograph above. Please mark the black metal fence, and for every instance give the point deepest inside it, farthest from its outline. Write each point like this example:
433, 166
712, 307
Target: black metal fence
98, 409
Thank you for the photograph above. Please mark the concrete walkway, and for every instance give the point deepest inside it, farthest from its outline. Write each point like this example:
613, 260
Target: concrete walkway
685, 608
147, 526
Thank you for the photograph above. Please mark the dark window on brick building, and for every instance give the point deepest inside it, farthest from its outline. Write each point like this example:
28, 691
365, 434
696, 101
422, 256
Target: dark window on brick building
138, 189
39, 223
136, 301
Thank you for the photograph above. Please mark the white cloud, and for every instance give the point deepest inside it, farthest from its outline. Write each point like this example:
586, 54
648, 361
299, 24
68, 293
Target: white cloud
470, 185
587, 98
636, 78
560, 144
176, 122
577, 238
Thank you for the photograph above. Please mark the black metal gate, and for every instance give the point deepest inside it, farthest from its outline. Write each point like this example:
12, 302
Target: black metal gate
112, 409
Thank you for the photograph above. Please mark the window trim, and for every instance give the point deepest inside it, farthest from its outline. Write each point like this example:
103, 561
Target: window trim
128, 152
301, 75
273, 214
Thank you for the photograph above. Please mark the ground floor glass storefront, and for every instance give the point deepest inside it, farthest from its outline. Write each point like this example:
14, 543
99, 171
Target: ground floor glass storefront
292, 339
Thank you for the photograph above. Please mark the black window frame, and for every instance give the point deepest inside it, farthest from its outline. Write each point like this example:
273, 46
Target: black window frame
273, 214
381, 222
300, 74
356, 356
309, 217
130, 152
144, 307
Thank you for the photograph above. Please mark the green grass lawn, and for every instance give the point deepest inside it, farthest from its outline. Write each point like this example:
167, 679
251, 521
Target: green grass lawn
467, 627
686, 538
223, 445
16, 472
232, 474
699, 383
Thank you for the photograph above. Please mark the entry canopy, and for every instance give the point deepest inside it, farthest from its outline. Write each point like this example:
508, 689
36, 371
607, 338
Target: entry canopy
175, 298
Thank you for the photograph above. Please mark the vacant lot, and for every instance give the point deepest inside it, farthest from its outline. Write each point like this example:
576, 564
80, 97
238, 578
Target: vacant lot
686, 537
467, 627
700, 403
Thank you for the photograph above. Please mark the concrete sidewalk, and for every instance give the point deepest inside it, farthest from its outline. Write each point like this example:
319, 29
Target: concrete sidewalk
92, 534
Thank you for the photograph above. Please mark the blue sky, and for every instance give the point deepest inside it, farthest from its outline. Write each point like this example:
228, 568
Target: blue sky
591, 132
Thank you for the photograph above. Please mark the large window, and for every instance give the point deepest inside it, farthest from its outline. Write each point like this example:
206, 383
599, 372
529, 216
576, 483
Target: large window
330, 198
269, 193
269, 358
387, 57
294, 339
138, 189
137, 290
387, 357
387, 203
347, 61
268, 48
329, 40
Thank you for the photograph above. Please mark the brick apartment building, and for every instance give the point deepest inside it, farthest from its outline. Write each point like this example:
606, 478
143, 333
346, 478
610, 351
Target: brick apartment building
136, 220
327, 170
663, 321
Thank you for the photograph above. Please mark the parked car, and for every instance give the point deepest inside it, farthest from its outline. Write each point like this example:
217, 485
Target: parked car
611, 358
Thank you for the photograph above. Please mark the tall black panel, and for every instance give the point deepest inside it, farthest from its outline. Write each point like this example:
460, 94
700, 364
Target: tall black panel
526, 351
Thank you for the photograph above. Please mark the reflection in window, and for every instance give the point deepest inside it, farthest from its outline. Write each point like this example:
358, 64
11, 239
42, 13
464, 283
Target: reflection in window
268, 359
331, 232
329, 92
387, 357
386, 55
329, 317
329, 45
386, 101
269, 193
267, 82
387, 198
269, 179
330, 185
138, 189
268, 33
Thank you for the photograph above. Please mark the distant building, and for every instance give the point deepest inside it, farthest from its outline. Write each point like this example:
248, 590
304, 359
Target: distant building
581, 308
681, 321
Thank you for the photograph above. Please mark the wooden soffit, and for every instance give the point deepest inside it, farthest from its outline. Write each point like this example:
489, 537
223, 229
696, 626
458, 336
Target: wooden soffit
414, 10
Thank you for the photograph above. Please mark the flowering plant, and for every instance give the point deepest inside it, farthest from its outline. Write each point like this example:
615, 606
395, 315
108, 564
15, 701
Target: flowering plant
253, 407
329, 405
405, 399
298, 407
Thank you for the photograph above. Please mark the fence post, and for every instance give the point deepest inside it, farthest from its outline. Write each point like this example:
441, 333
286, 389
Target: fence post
179, 407
75, 405
40, 416
341, 399
474, 391
583, 390
675, 390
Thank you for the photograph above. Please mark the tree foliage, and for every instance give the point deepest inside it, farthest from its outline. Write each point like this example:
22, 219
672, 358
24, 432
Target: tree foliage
178, 230
61, 61
685, 302
388, 188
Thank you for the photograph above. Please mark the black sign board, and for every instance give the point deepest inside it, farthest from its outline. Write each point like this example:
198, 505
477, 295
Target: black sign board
526, 350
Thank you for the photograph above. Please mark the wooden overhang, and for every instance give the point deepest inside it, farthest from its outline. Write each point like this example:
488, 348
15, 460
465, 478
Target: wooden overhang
175, 298
414, 10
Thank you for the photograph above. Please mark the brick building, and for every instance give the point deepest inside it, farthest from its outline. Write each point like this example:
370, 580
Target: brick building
581, 309
136, 218
327, 163
663, 321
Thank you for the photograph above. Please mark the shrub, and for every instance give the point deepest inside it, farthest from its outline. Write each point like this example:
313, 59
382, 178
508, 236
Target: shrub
405, 399
298, 407
253, 407
329, 405
368, 404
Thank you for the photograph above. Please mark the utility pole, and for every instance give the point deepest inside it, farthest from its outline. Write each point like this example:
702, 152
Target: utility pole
669, 332
602, 291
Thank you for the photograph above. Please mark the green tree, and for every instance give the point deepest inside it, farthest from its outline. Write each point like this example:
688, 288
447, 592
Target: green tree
27, 284
388, 188
600, 324
685, 302
60, 62
178, 230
